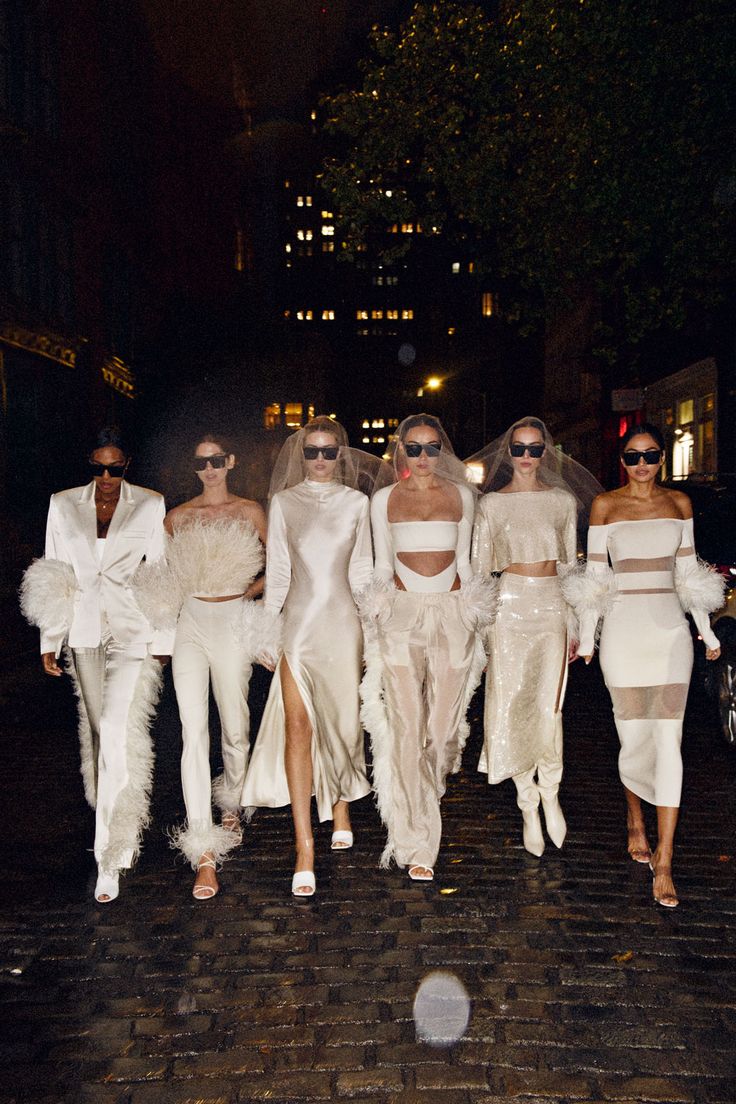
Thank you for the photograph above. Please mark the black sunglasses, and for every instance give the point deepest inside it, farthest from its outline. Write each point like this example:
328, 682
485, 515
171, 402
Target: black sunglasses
217, 461
651, 456
329, 452
115, 471
414, 448
535, 451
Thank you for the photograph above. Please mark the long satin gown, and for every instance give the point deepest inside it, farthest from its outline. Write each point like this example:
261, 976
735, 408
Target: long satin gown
318, 556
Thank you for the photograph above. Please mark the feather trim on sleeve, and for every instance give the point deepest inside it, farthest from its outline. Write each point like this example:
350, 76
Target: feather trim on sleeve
47, 594
590, 595
479, 598
158, 593
700, 587
375, 603
259, 630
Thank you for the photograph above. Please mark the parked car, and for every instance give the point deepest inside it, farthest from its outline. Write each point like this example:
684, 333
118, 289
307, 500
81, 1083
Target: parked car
714, 511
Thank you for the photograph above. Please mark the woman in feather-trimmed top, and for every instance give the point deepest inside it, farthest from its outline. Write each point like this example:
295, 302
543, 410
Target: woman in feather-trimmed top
214, 555
646, 651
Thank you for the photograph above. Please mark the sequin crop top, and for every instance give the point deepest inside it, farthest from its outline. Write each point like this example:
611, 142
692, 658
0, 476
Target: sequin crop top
524, 527
391, 538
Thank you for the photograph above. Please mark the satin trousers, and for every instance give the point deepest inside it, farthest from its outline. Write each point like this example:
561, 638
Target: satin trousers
205, 649
108, 677
426, 649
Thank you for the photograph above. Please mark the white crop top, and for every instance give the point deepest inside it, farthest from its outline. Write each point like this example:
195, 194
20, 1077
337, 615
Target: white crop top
391, 538
524, 527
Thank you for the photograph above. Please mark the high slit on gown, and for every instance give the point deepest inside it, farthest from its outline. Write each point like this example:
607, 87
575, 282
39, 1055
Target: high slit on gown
318, 556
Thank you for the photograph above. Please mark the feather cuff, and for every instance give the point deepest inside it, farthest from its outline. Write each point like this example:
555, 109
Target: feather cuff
589, 592
479, 599
47, 594
158, 594
700, 587
194, 840
375, 602
259, 631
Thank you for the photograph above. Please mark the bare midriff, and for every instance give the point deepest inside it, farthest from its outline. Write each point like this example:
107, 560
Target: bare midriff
543, 569
222, 598
426, 564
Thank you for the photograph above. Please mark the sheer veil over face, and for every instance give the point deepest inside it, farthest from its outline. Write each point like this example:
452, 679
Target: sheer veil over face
446, 466
354, 468
553, 469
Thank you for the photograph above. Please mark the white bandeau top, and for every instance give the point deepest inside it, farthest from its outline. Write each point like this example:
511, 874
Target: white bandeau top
391, 538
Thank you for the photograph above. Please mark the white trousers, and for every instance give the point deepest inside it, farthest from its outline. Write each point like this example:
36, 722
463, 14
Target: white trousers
205, 649
108, 677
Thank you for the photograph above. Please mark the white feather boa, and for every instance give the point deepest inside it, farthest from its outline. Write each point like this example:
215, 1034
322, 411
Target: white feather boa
131, 812
699, 587
259, 631
47, 594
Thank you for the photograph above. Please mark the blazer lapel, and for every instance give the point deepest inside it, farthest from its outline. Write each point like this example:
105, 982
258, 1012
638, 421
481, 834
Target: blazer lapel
87, 514
124, 508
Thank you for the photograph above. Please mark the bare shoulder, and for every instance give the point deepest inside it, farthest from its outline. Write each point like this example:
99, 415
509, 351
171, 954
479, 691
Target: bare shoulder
681, 502
178, 514
605, 507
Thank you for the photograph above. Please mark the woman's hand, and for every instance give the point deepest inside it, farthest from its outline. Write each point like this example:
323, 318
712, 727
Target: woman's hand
712, 653
163, 660
572, 651
586, 658
50, 666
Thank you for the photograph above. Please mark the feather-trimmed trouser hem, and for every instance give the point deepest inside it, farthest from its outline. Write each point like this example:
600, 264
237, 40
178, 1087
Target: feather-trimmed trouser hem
206, 647
118, 687
421, 673
203, 837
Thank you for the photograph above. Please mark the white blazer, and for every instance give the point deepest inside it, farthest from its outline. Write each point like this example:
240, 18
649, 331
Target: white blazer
136, 532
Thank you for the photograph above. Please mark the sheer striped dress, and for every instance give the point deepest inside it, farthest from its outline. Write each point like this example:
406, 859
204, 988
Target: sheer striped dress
646, 650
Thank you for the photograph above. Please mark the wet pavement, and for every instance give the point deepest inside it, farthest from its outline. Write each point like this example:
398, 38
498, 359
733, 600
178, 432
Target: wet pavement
579, 988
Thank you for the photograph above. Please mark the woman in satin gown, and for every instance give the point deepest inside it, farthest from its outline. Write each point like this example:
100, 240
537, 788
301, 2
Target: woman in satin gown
646, 650
310, 741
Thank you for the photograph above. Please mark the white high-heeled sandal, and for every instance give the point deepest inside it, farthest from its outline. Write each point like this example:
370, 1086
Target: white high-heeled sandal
107, 887
205, 892
303, 883
342, 840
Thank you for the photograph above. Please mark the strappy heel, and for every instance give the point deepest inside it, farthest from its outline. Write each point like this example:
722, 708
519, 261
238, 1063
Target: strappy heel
205, 892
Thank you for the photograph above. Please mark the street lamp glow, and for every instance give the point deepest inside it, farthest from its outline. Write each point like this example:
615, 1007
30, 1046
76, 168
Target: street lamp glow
433, 383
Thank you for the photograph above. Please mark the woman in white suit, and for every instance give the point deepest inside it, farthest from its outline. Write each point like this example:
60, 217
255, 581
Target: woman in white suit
80, 596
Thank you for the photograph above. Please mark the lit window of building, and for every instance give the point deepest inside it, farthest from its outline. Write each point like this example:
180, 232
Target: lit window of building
328, 247
300, 201
362, 333
308, 201
407, 314
272, 416
376, 314
313, 116
379, 440
309, 315
300, 315
361, 315
327, 215
407, 228
378, 280
365, 440
392, 315
488, 304
455, 267
287, 183
328, 231
287, 247
293, 415
393, 423
393, 229
287, 314
451, 331
471, 266
328, 316
366, 424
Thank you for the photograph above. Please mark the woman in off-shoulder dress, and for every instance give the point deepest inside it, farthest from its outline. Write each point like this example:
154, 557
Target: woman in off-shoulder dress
646, 652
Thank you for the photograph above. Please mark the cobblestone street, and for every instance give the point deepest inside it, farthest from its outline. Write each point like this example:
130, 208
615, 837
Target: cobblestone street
580, 987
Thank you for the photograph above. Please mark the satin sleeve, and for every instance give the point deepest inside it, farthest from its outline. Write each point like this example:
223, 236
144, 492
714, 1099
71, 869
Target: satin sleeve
360, 568
278, 562
55, 549
692, 581
383, 548
482, 553
162, 643
597, 573
465, 534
